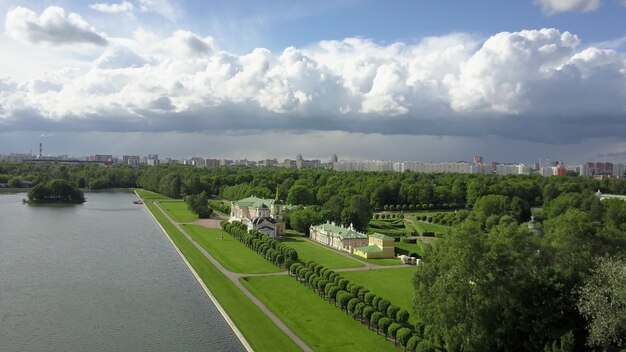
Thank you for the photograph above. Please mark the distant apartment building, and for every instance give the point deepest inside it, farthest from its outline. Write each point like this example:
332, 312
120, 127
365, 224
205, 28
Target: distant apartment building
130, 160
602, 169
212, 163
102, 158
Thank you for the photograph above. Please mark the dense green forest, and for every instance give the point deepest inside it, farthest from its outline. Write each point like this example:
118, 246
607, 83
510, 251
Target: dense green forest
491, 284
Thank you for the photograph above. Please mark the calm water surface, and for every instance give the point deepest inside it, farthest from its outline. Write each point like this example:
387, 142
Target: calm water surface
100, 276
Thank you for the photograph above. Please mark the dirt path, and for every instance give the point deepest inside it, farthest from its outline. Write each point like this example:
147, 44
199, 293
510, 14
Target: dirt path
234, 278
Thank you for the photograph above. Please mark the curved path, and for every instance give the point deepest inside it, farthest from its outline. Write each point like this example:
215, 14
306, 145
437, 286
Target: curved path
234, 278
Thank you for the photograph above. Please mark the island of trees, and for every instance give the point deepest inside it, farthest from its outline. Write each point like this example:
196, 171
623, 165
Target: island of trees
55, 191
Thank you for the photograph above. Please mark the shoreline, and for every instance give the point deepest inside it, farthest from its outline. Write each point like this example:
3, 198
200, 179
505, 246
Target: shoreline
232, 325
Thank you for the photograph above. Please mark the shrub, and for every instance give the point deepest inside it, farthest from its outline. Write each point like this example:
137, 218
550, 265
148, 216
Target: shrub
362, 292
402, 316
358, 309
423, 346
383, 324
375, 300
428, 234
376, 316
403, 335
392, 311
413, 342
332, 292
368, 311
352, 305
386, 207
382, 305
392, 330
411, 206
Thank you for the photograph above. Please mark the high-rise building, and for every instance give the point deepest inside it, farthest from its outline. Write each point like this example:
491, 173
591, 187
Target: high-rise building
478, 159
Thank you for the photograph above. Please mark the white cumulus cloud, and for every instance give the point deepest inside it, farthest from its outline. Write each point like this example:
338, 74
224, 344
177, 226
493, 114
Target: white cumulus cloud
555, 6
52, 26
454, 84
122, 7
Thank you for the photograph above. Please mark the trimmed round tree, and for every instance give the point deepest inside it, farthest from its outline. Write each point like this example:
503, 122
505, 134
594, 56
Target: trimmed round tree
368, 297
358, 309
376, 316
382, 305
383, 324
392, 311
352, 304
367, 312
392, 331
375, 301
361, 294
402, 317
403, 335
413, 342
343, 297
332, 292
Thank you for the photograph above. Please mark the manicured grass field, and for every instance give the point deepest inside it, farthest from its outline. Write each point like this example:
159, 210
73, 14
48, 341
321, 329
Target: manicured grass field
316, 321
380, 261
313, 252
178, 211
259, 331
412, 247
393, 228
145, 194
439, 230
396, 285
232, 254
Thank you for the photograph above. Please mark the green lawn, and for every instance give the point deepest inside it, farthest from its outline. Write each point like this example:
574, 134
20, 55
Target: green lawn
258, 329
412, 247
316, 321
439, 230
178, 211
380, 261
396, 285
393, 228
232, 254
313, 252
145, 194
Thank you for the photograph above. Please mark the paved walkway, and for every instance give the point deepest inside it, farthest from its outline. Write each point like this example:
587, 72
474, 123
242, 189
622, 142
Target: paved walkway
234, 278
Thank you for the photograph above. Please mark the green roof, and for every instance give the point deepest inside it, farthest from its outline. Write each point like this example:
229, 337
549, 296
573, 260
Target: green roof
340, 231
254, 202
369, 249
382, 237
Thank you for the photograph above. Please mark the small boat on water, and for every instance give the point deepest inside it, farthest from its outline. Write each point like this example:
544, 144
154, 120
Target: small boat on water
137, 201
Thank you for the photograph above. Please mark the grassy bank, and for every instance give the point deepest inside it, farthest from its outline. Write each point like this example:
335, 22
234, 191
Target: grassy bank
231, 253
178, 211
319, 323
259, 331
396, 285
312, 252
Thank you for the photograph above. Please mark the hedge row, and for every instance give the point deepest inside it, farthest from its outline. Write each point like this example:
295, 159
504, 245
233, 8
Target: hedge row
280, 255
378, 313
424, 206
447, 219
219, 205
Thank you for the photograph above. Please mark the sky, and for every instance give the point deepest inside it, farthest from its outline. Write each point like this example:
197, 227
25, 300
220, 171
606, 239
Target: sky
429, 80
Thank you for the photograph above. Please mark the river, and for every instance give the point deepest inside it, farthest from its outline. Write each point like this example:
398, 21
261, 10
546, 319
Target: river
100, 276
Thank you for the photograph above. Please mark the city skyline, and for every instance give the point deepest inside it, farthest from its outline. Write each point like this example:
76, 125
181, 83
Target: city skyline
438, 81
